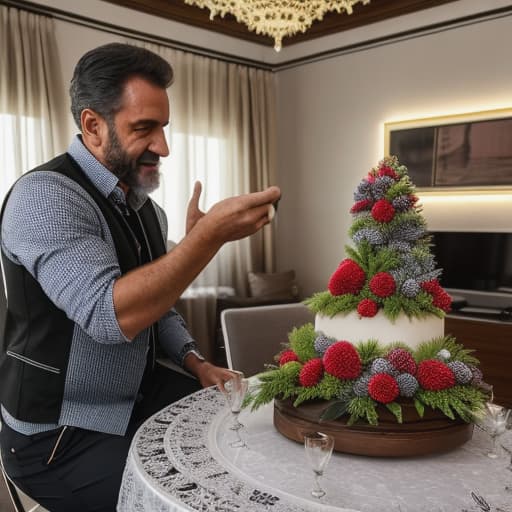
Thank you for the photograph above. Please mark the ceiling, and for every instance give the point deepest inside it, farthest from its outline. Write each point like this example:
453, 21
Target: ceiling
376, 10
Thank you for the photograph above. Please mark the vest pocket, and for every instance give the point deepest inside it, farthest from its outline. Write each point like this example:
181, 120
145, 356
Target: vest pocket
31, 362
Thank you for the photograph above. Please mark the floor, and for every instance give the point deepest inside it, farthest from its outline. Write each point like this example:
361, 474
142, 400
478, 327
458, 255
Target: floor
5, 501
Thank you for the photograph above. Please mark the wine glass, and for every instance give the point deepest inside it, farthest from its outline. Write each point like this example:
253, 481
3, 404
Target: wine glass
235, 391
508, 426
318, 448
493, 421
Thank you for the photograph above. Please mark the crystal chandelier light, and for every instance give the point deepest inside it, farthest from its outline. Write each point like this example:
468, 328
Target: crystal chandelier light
276, 18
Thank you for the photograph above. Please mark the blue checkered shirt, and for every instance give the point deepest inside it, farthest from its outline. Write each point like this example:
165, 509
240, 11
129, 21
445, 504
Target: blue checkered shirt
58, 233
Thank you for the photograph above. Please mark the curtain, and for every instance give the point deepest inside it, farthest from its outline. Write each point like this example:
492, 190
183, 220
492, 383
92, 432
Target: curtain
32, 127
223, 133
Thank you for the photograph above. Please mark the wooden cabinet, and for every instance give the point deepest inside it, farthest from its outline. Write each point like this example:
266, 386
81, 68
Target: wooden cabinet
492, 342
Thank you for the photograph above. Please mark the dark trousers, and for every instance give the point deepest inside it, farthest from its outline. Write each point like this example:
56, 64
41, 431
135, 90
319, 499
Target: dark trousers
85, 471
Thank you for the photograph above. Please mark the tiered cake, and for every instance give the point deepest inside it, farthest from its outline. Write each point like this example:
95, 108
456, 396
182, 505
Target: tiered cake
376, 370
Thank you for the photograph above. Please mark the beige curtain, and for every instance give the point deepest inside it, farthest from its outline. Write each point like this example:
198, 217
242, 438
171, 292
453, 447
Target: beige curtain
223, 133
32, 129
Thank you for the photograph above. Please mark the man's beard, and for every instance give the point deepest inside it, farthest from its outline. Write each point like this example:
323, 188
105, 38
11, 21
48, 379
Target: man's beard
128, 169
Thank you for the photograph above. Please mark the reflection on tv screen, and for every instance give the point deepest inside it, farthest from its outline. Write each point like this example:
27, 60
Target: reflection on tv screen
474, 261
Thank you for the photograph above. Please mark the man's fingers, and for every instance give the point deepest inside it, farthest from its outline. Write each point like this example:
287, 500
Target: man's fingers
196, 194
269, 195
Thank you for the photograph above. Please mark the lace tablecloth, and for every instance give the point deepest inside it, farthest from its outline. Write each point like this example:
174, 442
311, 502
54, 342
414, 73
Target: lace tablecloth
181, 459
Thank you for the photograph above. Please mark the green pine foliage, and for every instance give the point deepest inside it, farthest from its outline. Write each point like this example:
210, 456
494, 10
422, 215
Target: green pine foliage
430, 349
419, 307
396, 409
400, 188
363, 408
361, 222
372, 261
410, 217
369, 350
463, 401
420, 407
330, 305
302, 342
327, 389
282, 383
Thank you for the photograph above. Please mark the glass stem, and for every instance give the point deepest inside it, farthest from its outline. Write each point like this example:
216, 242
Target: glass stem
495, 445
317, 482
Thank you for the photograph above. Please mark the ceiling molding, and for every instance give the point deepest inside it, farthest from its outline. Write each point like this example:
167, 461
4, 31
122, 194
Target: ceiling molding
362, 45
333, 22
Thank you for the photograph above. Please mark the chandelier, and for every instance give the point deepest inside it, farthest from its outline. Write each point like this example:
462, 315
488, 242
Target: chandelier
276, 18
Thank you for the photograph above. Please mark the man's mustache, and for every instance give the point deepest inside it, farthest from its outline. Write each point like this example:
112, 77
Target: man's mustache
148, 158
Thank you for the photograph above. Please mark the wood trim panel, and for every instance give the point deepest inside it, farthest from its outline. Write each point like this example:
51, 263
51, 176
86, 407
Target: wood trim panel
492, 342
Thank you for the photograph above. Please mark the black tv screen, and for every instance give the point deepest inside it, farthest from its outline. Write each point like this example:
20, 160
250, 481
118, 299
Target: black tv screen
474, 261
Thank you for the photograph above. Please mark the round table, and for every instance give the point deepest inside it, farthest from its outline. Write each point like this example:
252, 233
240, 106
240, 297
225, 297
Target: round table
181, 459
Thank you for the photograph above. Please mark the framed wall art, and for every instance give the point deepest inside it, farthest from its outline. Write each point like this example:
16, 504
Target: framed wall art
463, 151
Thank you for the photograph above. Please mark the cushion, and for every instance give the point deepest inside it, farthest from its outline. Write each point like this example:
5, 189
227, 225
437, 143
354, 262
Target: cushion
278, 285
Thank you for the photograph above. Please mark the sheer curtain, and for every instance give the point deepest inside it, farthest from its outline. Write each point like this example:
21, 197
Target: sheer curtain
31, 115
222, 133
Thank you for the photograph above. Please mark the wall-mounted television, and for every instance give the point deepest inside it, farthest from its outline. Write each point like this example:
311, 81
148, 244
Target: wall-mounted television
476, 266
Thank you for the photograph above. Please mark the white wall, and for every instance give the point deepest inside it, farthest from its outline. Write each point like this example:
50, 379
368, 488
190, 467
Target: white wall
331, 116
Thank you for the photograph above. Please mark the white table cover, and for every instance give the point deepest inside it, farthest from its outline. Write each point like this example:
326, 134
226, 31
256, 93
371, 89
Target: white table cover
180, 459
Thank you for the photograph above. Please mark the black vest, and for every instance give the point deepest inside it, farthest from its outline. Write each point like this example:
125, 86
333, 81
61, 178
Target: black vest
36, 334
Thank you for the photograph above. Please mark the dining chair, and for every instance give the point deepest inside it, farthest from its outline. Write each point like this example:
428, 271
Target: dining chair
254, 335
20, 501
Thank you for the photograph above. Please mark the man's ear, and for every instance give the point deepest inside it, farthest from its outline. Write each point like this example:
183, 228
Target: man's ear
94, 128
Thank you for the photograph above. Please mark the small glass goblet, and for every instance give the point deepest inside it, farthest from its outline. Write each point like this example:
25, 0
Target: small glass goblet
508, 426
318, 448
494, 421
235, 391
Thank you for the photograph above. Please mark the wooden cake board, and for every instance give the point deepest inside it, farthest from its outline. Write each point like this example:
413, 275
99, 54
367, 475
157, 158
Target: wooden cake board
434, 433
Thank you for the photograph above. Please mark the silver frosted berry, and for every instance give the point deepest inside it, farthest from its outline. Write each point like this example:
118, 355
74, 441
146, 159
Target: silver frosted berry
410, 288
444, 354
373, 236
360, 386
381, 365
407, 384
477, 375
462, 372
323, 342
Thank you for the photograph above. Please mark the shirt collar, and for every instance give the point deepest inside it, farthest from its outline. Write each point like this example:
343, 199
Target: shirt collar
104, 180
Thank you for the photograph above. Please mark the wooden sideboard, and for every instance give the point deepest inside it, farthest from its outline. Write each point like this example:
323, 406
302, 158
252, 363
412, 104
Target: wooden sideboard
492, 342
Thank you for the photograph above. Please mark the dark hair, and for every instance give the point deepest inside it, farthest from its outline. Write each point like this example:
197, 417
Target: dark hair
101, 74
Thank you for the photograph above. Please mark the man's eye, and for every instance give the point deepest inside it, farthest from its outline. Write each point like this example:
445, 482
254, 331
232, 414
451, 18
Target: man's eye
141, 128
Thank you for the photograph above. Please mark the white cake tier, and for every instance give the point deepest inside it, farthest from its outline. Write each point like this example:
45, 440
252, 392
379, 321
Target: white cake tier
351, 327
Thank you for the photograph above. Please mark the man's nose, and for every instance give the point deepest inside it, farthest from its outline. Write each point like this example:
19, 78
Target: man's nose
159, 144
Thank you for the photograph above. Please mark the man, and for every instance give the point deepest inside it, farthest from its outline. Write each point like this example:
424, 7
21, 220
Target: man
91, 288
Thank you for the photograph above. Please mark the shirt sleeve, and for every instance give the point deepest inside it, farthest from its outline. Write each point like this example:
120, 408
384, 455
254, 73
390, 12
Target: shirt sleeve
174, 337
55, 230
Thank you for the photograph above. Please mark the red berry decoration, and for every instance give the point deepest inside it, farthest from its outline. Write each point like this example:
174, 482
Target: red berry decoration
383, 211
370, 178
402, 361
367, 308
287, 356
382, 284
434, 375
364, 204
432, 286
442, 300
388, 171
311, 372
349, 277
342, 360
383, 388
